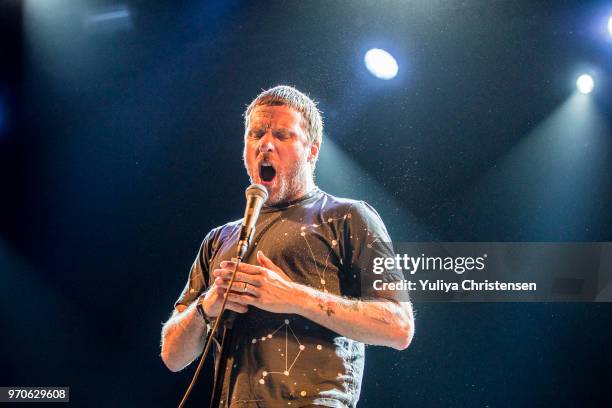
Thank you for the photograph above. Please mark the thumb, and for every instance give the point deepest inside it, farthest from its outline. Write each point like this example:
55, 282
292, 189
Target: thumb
267, 263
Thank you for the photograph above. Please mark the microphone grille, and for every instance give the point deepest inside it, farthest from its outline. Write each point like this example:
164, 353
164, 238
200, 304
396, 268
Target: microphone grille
256, 190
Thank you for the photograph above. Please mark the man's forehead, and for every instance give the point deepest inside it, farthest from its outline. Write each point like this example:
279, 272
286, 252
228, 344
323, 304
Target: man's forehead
284, 115
263, 112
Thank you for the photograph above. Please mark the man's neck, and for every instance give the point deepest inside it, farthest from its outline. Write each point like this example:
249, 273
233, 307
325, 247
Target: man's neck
298, 196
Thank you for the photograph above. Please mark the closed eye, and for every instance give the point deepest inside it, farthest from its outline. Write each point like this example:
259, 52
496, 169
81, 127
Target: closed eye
282, 134
256, 133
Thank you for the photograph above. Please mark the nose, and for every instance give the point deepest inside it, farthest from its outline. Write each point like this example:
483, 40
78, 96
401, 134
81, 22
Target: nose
266, 143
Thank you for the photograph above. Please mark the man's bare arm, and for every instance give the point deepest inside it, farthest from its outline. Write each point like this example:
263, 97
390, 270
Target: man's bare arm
184, 334
374, 321
183, 337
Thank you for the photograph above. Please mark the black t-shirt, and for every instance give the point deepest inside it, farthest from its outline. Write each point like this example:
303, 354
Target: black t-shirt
285, 360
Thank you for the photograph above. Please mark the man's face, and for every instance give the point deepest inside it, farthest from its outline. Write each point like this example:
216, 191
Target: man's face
277, 153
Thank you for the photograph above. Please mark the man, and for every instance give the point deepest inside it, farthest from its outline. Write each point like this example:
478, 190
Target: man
303, 297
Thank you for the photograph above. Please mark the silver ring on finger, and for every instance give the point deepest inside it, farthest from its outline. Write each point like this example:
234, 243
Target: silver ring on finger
245, 287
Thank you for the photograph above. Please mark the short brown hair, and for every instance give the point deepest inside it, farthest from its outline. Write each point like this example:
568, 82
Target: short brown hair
283, 95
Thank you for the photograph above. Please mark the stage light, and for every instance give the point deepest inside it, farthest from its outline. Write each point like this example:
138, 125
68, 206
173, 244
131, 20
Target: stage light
610, 25
381, 64
110, 15
109, 19
585, 84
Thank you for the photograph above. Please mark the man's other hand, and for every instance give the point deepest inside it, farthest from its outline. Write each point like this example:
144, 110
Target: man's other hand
265, 286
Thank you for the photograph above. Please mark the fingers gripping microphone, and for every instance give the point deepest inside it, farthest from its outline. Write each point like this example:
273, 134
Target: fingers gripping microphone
256, 196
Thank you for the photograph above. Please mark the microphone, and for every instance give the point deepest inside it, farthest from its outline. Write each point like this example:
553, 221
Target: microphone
256, 196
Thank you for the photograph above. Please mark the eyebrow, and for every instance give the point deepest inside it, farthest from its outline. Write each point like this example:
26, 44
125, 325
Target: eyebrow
274, 130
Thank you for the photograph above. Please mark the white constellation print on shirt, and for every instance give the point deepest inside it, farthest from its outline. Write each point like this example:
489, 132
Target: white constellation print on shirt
288, 367
321, 273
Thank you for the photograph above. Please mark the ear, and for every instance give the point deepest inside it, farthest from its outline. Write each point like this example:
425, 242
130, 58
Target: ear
314, 151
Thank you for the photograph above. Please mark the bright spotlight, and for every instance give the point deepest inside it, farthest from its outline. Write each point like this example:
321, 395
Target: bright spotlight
610, 25
585, 84
381, 64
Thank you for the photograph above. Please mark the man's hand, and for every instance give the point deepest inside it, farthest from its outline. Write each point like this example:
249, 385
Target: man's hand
266, 286
213, 299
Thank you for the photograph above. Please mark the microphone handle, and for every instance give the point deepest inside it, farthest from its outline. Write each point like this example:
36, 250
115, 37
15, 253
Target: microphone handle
230, 316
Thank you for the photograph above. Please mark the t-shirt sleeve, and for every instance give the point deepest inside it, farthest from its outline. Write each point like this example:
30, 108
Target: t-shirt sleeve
368, 239
198, 279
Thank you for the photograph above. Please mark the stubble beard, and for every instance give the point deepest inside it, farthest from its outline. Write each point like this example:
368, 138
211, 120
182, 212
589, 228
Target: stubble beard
288, 186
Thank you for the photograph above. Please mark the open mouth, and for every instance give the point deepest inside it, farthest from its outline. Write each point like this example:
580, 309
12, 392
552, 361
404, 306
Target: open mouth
267, 172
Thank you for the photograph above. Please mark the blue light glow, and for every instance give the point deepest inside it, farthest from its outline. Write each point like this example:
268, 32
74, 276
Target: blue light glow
381, 64
585, 84
3, 117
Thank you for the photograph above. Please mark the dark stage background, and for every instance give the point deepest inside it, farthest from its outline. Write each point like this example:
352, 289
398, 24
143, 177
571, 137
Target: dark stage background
120, 147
